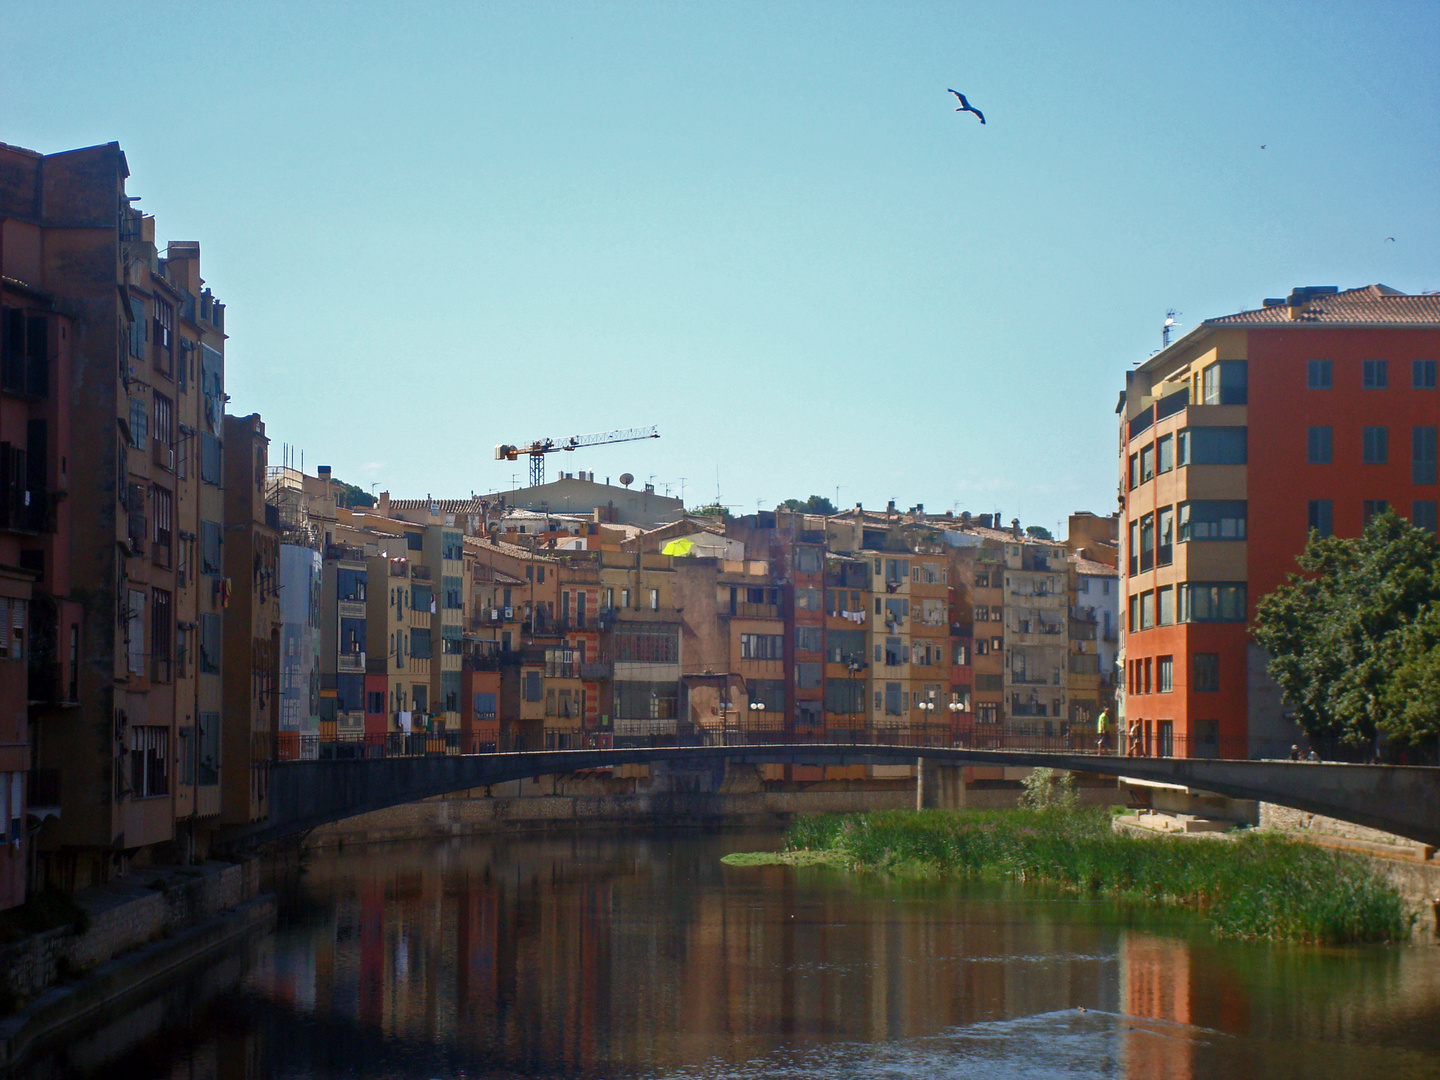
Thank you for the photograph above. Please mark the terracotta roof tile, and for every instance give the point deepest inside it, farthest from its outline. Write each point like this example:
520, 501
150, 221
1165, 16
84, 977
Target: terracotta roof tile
1369, 306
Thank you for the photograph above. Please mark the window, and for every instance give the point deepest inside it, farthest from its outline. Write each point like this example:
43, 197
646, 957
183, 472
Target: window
808, 560
350, 584
1317, 374
210, 643
624, 598
1134, 548
807, 676
762, 646
453, 593
164, 503
1225, 383
1147, 542
647, 645
1322, 517
375, 701
352, 636
1165, 453
844, 696
212, 560
1212, 519
421, 598
1375, 375
1422, 514
164, 422
1207, 667
1134, 623
1165, 675
809, 639
1370, 508
1205, 602
212, 468
1212, 446
1422, 455
420, 643
149, 761
139, 423
845, 646
1165, 605
1376, 442
1147, 610
808, 599
1147, 463
160, 634
1320, 449
1134, 471
1422, 374
893, 704
1165, 548
1145, 676
987, 713
654, 599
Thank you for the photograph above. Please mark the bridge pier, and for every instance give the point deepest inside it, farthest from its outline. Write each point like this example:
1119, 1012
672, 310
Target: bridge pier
939, 786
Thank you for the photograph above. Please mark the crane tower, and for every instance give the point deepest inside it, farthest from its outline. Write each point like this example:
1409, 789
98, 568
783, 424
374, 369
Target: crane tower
537, 450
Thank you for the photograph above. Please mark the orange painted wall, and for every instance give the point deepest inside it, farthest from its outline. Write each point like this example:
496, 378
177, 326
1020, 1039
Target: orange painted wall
1281, 409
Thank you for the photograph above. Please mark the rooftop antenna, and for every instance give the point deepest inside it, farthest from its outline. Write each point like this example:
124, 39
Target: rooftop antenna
1168, 328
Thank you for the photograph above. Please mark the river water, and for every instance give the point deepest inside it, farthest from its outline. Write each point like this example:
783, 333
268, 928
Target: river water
642, 956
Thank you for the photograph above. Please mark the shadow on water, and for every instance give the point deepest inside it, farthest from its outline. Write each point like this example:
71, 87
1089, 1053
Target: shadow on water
640, 955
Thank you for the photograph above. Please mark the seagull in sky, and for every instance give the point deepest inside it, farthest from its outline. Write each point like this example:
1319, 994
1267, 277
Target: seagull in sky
1389, 240
965, 106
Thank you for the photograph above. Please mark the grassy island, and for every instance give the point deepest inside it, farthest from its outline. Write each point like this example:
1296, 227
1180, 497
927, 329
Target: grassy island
1256, 886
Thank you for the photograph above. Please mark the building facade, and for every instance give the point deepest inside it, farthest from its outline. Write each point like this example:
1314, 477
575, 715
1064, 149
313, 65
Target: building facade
1313, 412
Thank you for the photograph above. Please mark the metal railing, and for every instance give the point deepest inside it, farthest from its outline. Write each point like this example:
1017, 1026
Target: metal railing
1041, 736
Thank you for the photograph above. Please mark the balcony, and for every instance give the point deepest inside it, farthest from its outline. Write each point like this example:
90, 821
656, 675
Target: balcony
597, 671
755, 611
419, 573
350, 662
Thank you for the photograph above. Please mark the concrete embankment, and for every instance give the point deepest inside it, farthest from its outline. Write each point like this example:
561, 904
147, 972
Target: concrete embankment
145, 933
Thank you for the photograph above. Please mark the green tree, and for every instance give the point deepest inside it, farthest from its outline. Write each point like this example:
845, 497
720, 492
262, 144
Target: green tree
713, 510
816, 504
349, 496
1038, 532
1411, 699
1345, 637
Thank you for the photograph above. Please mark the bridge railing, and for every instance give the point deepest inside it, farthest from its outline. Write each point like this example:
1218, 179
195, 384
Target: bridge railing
1060, 739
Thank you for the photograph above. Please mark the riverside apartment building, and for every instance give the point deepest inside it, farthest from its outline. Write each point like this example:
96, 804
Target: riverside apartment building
1316, 411
121, 530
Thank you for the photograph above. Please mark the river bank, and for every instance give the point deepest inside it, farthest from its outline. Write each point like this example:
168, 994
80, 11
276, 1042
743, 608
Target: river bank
1260, 886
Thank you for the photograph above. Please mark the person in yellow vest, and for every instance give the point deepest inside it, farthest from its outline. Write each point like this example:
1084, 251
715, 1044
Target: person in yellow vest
1102, 732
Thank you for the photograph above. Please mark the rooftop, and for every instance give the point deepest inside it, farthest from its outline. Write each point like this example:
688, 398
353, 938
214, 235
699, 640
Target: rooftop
1371, 305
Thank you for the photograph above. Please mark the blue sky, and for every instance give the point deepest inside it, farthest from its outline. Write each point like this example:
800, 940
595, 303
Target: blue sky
759, 226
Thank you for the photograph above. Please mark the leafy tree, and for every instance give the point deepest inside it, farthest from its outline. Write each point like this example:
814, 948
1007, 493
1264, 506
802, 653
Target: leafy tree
816, 504
348, 496
1038, 532
1411, 699
1346, 639
715, 510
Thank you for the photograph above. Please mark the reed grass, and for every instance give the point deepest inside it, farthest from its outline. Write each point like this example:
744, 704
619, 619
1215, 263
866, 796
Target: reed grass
1257, 886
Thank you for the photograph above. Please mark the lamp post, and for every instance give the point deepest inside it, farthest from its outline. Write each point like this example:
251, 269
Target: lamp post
927, 710
854, 665
956, 708
756, 708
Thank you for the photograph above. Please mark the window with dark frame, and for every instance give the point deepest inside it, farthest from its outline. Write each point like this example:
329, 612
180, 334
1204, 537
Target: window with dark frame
1375, 442
1320, 445
1370, 508
1375, 374
1207, 672
1422, 455
1317, 374
1422, 374
1322, 517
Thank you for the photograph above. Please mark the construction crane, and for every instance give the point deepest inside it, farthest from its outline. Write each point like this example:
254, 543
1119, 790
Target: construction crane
540, 447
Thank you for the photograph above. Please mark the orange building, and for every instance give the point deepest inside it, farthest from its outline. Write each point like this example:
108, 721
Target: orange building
1313, 412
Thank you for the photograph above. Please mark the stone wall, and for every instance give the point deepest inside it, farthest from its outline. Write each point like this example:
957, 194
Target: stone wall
146, 905
1319, 827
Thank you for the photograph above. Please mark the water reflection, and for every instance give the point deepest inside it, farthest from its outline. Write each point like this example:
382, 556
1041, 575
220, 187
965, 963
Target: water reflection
604, 956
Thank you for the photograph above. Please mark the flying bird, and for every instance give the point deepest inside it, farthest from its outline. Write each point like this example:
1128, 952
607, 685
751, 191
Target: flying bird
965, 106
1389, 240
1262, 146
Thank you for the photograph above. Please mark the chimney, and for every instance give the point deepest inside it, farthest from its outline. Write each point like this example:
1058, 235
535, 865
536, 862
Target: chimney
383, 507
1015, 527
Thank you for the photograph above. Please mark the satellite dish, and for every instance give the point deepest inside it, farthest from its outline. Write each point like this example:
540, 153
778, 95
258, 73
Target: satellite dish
627, 479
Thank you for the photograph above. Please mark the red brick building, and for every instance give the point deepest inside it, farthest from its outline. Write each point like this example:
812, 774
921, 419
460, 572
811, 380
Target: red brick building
1312, 412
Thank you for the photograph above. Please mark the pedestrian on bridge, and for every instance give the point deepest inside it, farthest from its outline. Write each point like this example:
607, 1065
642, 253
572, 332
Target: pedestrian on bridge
1102, 732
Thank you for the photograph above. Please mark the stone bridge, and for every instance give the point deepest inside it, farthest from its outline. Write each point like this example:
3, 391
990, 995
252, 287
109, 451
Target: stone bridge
1404, 800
